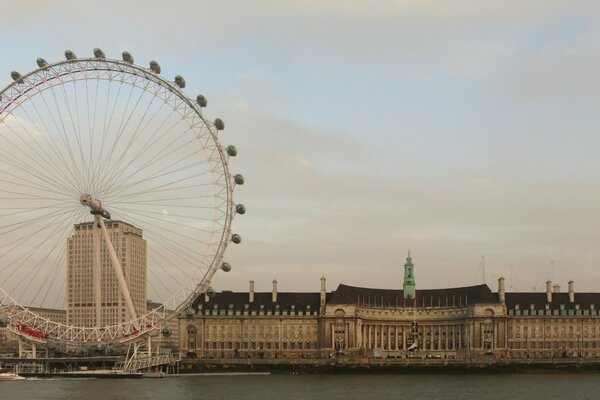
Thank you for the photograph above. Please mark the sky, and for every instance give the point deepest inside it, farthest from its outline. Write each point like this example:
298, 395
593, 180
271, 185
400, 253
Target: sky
454, 129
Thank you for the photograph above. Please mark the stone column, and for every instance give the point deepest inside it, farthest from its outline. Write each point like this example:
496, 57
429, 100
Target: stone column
495, 335
403, 337
446, 328
389, 339
346, 336
374, 336
453, 337
333, 343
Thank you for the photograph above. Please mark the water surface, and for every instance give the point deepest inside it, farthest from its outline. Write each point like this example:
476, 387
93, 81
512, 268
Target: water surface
329, 387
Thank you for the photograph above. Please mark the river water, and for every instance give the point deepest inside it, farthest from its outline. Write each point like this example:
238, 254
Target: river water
327, 387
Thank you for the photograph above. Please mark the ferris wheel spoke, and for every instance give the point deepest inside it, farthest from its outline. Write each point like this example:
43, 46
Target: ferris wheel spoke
33, 186
67, 143
39, 157
116, 167
66, 170
106, 127
180, 249
159, 174
172, 268
166, 187
106, 163
70, 168
154, 214
21, 164
159, 280
155, 159
71, 119
27, 223
162, 228
178, 252
50, 278
152, 140
177, 223
58, 292
35, 270
167, 273
60, 261
18, 242
24, 257
91, 123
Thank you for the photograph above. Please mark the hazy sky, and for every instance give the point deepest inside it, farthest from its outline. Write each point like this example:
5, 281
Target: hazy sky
456, 129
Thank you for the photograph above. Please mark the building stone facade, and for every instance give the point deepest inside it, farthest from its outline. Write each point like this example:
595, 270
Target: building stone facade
471, 323
253, 325
131, 251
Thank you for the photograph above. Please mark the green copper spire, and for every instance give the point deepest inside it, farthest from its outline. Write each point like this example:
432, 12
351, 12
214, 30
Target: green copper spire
409, 279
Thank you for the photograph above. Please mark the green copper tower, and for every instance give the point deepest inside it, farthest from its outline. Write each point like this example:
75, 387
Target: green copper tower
409, 279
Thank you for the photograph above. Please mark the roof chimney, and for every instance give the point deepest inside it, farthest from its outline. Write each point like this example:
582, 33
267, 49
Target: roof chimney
251, 293
323, 293
571, 291
556, 288
274, 291
501, 293
549, 291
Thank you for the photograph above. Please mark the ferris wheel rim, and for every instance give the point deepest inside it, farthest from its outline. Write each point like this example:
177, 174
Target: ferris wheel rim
187, 293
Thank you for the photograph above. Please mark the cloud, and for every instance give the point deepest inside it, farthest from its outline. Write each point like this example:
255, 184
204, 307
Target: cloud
454, 128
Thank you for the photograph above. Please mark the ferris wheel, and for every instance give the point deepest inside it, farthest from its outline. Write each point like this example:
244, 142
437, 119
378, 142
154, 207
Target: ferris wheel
114, 190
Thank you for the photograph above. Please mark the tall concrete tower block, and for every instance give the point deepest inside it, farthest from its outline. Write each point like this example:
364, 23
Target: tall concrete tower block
130, 247
409, 279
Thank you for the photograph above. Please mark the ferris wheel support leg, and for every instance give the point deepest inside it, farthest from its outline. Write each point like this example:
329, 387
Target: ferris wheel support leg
119, 273
21, 350
97, 271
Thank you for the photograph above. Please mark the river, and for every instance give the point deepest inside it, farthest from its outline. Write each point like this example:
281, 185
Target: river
327, 387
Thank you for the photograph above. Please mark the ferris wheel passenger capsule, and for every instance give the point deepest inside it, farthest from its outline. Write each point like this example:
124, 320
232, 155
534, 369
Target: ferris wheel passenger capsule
127, 57
219, 124
166, 332
201, 100
226, 267
69, 55
238, 179
235, 238
16, 77
179, 81
240, 209
99, 53
231, 150
154, 67
189, 314
210, 291
41, 62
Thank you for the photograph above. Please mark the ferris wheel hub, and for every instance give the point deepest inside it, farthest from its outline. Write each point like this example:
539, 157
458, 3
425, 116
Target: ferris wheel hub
86, 199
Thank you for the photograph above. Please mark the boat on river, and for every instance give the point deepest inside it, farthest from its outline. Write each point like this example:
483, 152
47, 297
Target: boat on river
10, 376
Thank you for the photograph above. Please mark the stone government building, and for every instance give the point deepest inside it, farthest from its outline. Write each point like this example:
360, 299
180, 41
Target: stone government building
456, 323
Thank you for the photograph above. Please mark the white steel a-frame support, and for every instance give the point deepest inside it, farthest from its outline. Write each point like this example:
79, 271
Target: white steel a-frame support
118, 272
100, 213
97, 271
